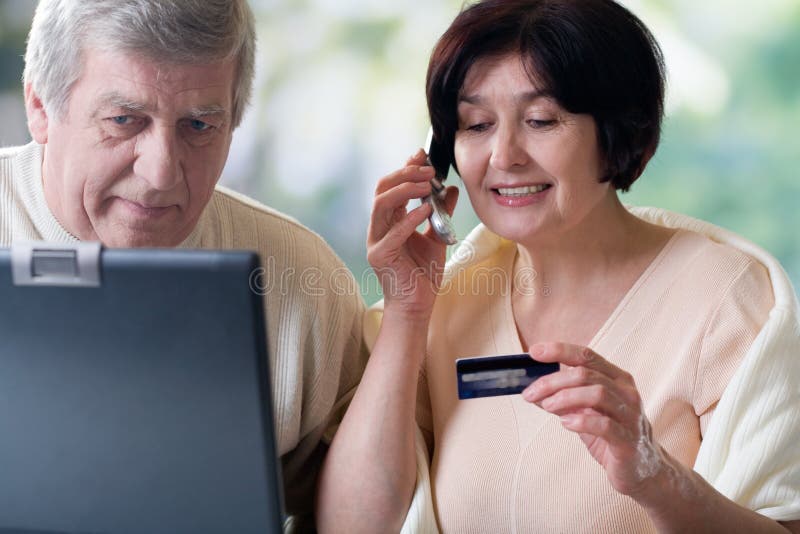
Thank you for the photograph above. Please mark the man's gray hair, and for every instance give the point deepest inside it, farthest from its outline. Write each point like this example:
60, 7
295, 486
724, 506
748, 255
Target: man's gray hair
164, 31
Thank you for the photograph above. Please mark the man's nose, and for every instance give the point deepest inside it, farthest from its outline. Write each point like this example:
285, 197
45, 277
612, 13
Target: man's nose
158, 160
507, 148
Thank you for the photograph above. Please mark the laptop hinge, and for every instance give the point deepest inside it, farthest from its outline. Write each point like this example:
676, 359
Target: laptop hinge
37, 263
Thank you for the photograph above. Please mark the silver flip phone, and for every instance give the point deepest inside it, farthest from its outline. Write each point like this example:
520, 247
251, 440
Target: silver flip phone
439, 219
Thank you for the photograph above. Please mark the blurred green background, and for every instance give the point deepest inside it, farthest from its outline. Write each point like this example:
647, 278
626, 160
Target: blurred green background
339, 103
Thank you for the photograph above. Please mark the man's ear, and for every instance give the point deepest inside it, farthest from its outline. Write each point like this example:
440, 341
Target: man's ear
37, 115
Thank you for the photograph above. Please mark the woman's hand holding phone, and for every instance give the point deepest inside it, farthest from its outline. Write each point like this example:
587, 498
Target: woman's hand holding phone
409, 264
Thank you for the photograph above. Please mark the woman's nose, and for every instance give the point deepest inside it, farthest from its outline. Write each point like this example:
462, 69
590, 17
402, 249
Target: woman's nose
507, 149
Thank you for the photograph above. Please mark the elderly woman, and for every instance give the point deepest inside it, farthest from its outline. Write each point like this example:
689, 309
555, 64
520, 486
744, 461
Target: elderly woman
674, 407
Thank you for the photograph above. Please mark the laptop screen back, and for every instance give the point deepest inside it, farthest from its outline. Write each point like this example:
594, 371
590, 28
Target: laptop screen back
141, 405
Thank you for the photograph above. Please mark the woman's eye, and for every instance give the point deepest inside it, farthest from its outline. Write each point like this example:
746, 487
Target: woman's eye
480, 127
540, 123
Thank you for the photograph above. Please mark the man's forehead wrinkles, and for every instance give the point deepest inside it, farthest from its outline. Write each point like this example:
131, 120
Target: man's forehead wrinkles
164, 81
121, 100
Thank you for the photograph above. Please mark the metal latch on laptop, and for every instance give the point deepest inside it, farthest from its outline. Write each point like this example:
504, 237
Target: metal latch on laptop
56, 264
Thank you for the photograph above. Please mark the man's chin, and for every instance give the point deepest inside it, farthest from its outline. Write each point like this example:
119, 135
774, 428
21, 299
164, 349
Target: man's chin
142, 239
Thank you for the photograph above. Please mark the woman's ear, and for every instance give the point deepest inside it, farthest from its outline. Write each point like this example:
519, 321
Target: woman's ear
37, 115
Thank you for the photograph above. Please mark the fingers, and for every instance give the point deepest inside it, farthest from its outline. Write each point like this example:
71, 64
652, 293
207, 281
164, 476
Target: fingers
389, 207
419, 158
576, 355
400, 232
586, 381
599, 398
601, 426
567, 377
416, 170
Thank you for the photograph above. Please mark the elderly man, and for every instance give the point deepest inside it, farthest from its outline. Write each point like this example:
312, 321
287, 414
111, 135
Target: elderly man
131, 105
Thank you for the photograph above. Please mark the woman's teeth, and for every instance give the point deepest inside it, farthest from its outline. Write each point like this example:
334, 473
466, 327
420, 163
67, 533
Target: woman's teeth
522, 191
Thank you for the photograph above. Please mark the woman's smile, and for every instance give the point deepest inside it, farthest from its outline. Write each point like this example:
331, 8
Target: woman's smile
528, 154
519, 196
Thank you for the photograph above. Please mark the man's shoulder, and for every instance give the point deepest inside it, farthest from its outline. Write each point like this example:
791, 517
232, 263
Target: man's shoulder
249, 207
297, 262
16, 159
10, 152
7, 156
252, 224
16, 164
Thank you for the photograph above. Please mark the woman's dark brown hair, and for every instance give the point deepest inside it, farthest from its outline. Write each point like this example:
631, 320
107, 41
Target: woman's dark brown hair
591, 56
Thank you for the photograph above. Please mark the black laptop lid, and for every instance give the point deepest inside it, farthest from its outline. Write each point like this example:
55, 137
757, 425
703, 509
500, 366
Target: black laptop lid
141, 405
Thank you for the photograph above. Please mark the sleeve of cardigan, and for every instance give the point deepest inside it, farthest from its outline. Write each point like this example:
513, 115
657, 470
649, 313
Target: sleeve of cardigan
749, 452
740, 315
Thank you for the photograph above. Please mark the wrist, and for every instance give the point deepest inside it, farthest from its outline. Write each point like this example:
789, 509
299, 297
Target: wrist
398, 313
674, 487
402, 332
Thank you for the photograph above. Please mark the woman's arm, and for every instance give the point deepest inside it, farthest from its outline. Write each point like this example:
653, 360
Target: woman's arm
370, 471
600, 402
677, 499
369, 474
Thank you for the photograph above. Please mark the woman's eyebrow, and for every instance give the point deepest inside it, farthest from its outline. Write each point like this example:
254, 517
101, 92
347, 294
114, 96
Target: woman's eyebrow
525, 97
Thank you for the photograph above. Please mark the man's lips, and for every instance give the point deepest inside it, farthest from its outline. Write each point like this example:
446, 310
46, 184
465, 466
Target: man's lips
147, 210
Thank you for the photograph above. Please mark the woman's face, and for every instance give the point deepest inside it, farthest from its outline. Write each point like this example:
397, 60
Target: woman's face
531, 168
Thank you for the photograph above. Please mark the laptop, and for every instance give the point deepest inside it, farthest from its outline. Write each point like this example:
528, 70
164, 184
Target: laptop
134, 393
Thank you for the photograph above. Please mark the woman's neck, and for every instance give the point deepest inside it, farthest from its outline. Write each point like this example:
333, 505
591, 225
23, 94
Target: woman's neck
608, 242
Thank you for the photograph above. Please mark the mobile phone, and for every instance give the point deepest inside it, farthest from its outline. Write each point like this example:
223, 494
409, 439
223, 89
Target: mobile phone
490, 376
439, 218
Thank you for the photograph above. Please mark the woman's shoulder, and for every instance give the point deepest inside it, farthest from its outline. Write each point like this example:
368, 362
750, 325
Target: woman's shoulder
709, 256
716, 259
723, 275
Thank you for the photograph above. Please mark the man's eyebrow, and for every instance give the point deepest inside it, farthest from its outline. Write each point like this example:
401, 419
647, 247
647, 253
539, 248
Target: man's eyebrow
527, 96
120, 101
117, 100
205, 111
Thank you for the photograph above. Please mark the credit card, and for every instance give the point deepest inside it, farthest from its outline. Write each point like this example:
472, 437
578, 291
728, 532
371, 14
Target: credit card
490, 376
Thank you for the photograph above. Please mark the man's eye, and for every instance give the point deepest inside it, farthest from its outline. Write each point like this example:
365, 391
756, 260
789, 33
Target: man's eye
126, 122
199, 126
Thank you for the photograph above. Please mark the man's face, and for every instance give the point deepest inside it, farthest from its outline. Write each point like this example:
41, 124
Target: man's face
136, 158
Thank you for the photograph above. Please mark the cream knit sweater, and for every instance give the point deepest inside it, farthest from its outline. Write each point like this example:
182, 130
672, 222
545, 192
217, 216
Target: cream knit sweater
314, 309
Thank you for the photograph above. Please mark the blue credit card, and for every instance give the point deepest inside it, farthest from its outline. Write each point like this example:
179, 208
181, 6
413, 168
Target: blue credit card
489, 376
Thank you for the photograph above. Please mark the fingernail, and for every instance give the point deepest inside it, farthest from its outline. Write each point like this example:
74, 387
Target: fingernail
567, 419
537, 351
528, 393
